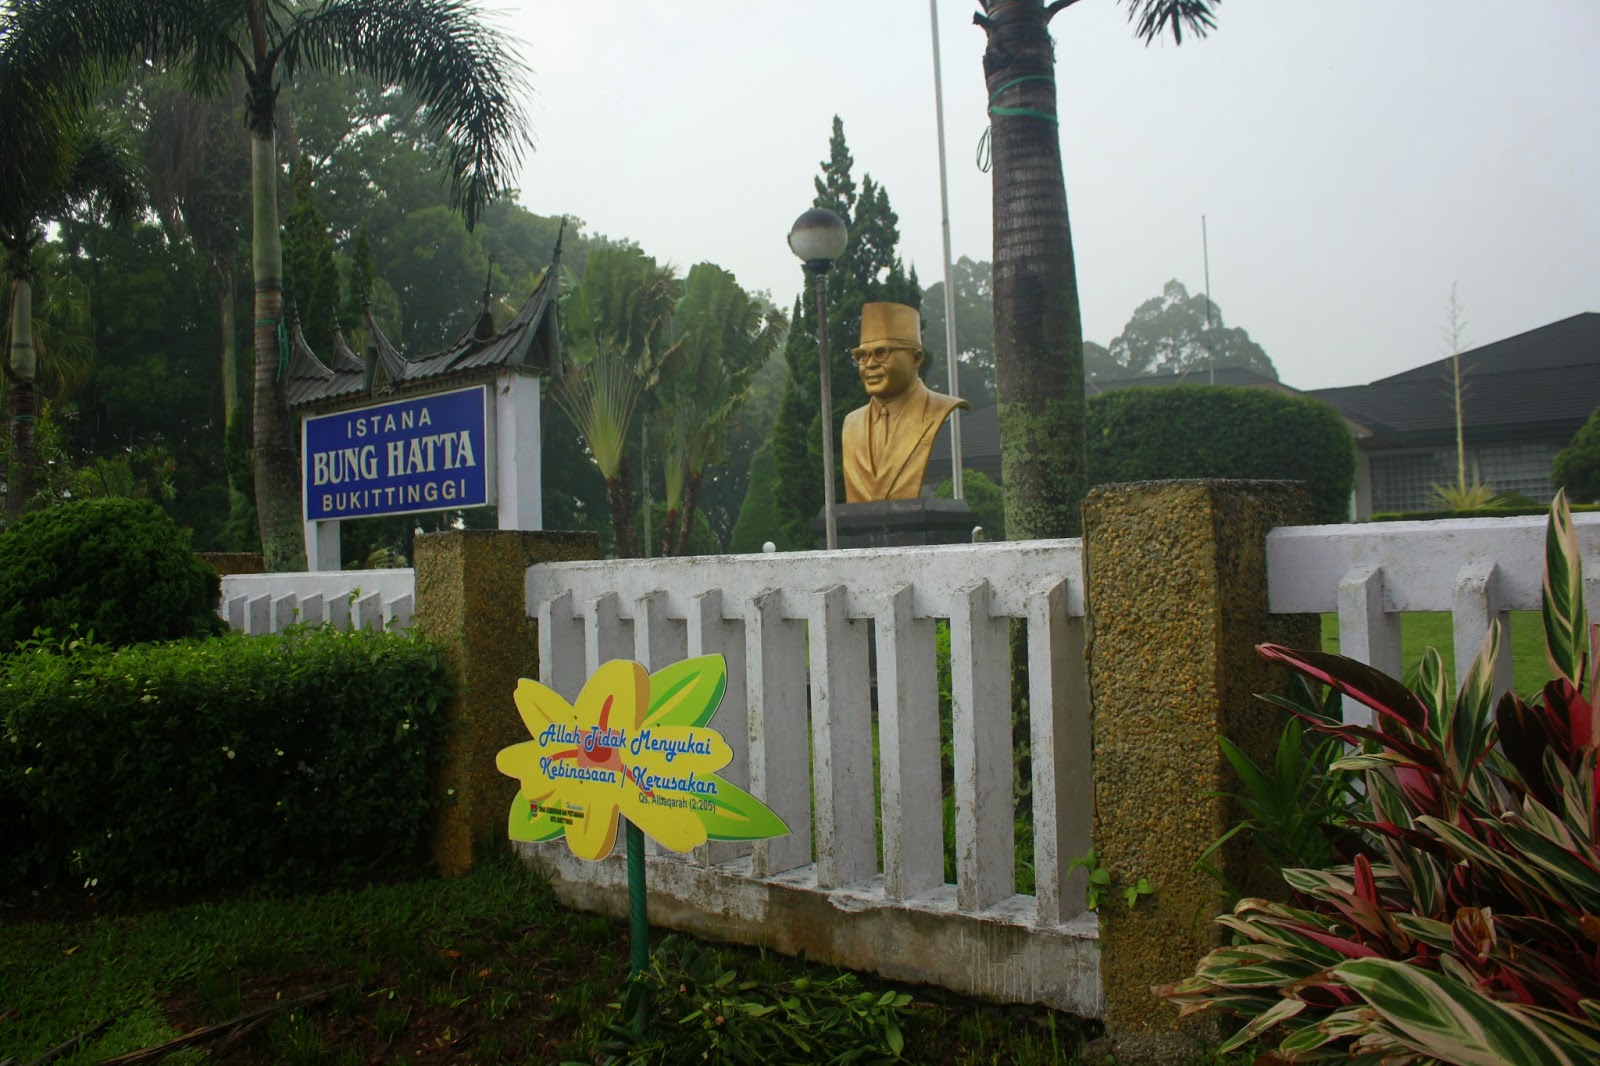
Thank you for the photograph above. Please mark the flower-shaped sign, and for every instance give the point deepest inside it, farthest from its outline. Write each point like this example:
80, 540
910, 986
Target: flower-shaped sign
637, 744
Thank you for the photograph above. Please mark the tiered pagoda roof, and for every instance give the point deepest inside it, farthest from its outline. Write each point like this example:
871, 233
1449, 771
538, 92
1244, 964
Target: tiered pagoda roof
530, 343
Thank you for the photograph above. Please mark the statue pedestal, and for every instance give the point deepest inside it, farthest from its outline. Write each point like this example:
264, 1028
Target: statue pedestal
899, 523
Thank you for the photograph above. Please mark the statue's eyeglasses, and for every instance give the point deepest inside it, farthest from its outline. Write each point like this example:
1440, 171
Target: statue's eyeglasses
880, 356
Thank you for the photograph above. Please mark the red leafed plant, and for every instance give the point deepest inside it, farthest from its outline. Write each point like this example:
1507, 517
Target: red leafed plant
1467, 928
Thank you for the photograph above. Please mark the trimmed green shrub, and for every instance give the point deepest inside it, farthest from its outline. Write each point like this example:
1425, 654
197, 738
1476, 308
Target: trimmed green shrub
1577, 466
213, 762
1203, 431
117, 568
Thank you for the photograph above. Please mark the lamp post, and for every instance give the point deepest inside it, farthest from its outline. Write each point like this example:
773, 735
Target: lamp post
819, 237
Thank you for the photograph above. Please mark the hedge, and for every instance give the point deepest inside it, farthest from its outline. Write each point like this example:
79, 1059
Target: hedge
115, 567
1203, 431
213, 762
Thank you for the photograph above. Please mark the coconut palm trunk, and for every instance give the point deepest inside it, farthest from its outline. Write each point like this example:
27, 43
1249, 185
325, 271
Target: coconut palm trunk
229, 358
277, 471
23, 366
1038, 331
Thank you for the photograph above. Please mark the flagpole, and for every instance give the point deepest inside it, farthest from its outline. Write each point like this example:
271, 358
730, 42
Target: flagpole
949, 284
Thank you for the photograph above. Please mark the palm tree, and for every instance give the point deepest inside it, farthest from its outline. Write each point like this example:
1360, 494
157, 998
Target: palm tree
439, 51
724, 338
618, 322
82, 165
1038, 337
199, 189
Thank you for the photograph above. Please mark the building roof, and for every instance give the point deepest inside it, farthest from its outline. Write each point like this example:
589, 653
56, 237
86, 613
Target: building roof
530, 342
1538, 385
1235, 376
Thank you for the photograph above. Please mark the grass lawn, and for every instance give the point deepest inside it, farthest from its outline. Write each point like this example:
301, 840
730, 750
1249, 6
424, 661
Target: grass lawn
487, 968
1431, 629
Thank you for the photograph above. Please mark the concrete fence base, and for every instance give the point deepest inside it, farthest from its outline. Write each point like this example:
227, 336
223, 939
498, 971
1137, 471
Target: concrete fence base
470, 600
1176, 578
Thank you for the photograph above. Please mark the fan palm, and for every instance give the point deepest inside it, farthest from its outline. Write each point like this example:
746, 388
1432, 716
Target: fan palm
618, 321
82, 164
439, 51
1038, 342
723, 339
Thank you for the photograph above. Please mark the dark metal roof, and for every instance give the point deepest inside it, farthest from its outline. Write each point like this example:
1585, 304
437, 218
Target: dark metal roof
531, 342
1234, 376
1538, 385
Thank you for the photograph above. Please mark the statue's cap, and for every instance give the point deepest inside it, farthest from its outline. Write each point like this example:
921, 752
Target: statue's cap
887, 323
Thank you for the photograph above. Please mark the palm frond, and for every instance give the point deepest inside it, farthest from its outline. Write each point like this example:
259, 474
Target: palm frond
443, 54
599, 396
1155, 18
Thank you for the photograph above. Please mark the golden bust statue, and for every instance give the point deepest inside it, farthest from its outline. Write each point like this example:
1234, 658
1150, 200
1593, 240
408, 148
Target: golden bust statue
886, 443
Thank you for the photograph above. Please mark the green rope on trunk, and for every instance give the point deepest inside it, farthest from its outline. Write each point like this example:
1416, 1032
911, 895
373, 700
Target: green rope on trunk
283, 343
1024, 111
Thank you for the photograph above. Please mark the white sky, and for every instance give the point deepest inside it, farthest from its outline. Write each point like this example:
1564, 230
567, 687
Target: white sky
1353, 159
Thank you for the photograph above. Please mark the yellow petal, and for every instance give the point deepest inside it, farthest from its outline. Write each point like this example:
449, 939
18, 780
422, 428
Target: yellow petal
540, 706
619, 692
593, 835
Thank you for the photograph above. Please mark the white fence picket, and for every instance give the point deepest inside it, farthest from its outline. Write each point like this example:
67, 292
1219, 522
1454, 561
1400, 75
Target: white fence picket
841, 748
1060, 742
980, 680
1368, 630
779, 772
908, 744
709, 633
1475, 604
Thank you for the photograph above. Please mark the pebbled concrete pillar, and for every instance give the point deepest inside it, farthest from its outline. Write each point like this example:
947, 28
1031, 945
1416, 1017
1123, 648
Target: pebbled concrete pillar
1177, 597
470, 600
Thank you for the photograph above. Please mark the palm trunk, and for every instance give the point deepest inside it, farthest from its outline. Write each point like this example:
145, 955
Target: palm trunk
24, 365
669, 535
230, 366
277, 470
619, 495
1038, 341
691, 498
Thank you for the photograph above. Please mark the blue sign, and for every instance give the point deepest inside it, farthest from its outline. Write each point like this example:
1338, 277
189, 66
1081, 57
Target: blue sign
423, 454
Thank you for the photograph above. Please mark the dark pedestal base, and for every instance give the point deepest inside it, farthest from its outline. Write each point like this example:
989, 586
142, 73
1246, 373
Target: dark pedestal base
899, 523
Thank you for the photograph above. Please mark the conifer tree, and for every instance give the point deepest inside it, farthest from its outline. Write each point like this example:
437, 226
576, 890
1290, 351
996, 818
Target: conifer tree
869, 270
310, 275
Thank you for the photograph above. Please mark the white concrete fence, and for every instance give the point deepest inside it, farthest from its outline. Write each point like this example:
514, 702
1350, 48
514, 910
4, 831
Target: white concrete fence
1477, 570
365, 599
832, 710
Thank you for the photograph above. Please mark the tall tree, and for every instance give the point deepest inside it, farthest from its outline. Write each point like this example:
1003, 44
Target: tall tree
618, 323
723, 337
437, 50
90, 167
310, 275
1176, 333
1038, 322
974, 300
196, 154
868, 270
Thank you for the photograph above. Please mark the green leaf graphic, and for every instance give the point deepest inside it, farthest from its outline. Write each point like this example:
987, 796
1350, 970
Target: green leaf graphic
686, 693
740, 816
532, 828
